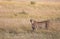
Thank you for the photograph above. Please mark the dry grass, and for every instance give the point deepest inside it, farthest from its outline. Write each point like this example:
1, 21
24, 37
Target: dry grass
15, 16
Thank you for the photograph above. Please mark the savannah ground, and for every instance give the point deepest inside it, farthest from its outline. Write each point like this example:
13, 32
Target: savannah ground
15, 20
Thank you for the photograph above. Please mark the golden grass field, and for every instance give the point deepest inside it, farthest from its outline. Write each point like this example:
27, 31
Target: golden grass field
15, 20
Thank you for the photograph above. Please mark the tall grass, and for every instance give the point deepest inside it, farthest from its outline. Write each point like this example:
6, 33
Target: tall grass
21, 28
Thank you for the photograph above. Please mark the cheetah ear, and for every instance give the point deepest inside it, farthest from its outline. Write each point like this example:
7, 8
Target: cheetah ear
30, 20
